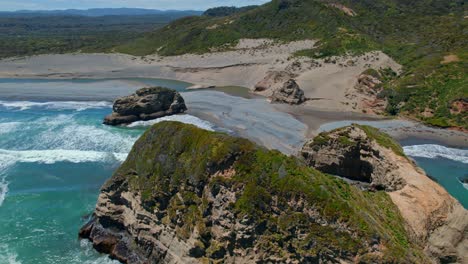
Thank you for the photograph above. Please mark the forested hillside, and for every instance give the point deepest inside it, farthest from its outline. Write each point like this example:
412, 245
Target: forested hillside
29, 33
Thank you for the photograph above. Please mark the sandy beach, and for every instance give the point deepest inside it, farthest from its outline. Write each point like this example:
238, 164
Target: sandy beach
326, 83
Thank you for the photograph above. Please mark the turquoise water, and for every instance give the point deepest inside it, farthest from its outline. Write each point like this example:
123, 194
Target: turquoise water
52, 164
54, 156
448, 173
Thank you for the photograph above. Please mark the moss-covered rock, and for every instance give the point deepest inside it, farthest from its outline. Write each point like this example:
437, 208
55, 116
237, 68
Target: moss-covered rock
187, 195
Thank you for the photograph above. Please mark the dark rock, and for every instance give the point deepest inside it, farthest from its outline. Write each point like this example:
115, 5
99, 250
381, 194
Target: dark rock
146, 104
290, 93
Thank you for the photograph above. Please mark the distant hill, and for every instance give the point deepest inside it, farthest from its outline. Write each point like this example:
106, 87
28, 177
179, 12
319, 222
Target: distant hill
96, 12
227, 10
419, 34
25, 33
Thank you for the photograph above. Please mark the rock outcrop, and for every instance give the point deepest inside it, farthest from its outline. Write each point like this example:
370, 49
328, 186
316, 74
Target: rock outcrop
186, 195
290, 93
367, 89
272, 81
434, 219
146, 104
351, 153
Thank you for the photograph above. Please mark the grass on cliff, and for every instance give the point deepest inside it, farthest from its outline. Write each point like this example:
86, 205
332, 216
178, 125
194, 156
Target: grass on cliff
172, 163
382, 139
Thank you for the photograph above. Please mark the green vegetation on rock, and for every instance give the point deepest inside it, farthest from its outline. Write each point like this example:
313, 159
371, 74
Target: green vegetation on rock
289, 204
382, 139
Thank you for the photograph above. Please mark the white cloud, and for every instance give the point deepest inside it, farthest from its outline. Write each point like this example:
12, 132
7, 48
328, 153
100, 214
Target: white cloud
9, 5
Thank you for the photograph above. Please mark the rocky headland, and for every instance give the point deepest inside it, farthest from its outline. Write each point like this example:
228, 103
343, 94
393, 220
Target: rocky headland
146, 104
434, 219
186, 195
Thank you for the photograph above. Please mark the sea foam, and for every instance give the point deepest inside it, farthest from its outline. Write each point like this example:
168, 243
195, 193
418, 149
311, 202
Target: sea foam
57, 155
7, 256
3, 189
434, 151
59, 105
187, 119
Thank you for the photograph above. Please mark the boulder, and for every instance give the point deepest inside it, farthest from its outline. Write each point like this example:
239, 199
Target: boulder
146, 104
290, 93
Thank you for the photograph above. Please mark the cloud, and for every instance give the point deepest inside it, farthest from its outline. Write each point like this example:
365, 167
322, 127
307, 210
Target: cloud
10, 5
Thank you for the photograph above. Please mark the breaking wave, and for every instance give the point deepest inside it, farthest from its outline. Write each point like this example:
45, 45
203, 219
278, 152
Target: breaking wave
58, 155
59, 105
436, 151
187, 119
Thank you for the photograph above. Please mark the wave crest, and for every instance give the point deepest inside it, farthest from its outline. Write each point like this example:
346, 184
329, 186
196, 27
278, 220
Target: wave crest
58, 155
432, 151
59, 105
187, 119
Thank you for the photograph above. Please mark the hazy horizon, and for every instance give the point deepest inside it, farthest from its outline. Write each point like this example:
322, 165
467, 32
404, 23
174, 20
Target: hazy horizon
52, 5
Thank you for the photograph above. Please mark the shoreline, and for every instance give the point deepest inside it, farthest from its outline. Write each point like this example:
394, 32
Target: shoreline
232, 72
313, 118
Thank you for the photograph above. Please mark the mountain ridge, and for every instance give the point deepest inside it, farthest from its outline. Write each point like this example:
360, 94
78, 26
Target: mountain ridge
97, 12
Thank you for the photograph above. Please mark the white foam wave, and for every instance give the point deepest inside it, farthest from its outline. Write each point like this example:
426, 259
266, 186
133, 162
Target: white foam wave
85, 137
7, 256
3, 189
58, 155
187, 119
88, 252
59, 105
9, 127
66, 131
434, 151
465, 185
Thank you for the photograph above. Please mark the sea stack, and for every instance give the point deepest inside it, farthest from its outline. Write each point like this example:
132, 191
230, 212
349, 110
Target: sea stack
146, 104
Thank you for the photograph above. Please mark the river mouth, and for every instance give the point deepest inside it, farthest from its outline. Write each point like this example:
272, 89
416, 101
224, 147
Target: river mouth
55, 154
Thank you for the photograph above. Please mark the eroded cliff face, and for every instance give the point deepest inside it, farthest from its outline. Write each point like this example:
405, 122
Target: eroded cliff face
434, 219
185, 195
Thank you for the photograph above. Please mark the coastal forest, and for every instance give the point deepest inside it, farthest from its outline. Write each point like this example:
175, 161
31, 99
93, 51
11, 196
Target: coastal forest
31, 33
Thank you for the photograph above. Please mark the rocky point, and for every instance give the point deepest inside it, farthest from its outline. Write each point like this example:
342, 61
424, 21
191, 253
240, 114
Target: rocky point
186, 195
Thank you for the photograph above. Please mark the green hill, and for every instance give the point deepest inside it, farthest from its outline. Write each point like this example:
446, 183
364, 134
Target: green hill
418, 34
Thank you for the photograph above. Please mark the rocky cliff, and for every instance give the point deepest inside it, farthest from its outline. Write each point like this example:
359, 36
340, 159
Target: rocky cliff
146, 104
186, 195
434, 219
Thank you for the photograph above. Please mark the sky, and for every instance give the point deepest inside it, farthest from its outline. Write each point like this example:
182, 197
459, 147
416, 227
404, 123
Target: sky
12, 5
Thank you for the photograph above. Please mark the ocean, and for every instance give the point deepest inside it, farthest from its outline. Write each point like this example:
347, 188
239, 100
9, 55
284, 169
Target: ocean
55, 155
